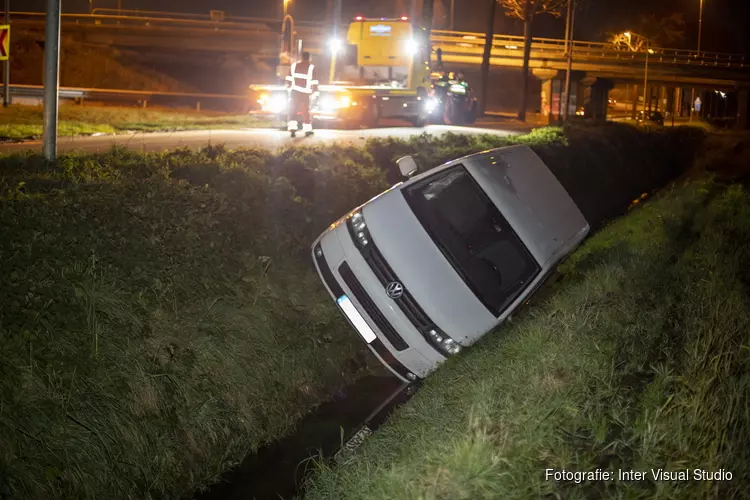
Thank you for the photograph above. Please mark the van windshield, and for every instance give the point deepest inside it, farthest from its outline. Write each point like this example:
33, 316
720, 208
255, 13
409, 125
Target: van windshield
473, 236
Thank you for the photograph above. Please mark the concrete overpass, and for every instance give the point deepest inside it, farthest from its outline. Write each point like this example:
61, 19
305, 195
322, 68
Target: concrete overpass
595, 65
195, 32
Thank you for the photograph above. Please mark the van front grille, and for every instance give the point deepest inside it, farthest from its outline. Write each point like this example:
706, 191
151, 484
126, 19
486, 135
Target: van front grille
370, 308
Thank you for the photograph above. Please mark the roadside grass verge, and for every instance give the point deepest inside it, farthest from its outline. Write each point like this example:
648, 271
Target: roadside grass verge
25, 122
161, 319
636, 360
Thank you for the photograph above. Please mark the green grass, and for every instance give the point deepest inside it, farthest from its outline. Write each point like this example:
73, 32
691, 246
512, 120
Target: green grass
161, 318
25, 122
637, 359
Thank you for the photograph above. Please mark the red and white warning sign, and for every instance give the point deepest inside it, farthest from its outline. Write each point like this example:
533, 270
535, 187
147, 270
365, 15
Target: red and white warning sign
4, 42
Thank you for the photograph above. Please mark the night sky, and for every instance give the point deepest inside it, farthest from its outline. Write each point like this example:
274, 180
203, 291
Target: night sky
724, 21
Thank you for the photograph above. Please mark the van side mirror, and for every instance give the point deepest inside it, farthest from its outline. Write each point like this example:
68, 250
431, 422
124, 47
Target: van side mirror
407, 166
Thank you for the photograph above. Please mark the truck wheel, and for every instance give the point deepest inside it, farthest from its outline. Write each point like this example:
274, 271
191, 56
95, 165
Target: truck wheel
372, 115
451, 116
471, 115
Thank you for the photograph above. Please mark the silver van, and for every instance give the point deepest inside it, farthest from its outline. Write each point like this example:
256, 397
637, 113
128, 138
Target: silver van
428, 267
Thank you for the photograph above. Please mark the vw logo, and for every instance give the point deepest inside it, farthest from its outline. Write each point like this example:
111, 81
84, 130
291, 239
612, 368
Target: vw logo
394, 290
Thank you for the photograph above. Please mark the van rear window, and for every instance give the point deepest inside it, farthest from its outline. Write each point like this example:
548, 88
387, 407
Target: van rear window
473, 236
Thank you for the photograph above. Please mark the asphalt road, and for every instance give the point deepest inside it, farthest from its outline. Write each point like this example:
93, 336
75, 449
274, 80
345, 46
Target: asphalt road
268, 138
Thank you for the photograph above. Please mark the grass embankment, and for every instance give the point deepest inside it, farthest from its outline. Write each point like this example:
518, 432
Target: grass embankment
25, 122
160, 317
636, 360
83, 64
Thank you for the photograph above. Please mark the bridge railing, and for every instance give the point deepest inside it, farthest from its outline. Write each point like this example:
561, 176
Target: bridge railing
550, 48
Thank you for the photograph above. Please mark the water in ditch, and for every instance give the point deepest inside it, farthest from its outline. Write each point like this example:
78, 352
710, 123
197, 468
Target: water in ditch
278, 470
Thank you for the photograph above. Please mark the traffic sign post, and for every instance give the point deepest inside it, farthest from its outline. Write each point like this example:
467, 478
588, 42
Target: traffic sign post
5, 53
4, 42
51, 77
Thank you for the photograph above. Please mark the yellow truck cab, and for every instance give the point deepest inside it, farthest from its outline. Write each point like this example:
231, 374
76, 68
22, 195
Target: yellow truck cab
383, 71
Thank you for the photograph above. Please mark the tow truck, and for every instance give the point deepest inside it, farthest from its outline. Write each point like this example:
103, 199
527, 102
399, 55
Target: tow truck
382, 71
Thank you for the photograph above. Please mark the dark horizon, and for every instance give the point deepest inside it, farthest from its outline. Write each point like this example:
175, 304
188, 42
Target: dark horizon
724, 21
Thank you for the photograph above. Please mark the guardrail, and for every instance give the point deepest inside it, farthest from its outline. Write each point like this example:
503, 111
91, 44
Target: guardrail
140, 97
194, 17
149, 18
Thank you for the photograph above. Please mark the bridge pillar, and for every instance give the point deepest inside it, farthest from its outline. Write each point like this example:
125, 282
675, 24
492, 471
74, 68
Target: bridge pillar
743, 108
553, 93
634, 98
599, 101
550, 95
678, 98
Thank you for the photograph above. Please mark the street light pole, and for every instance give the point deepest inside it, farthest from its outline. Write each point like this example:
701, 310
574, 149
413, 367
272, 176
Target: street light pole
700, 32
700, 24
645, 80
453, 12
6, 81
569, 29
51, 77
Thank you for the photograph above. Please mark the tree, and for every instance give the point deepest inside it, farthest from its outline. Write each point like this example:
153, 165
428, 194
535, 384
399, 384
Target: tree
526, 11
485, 72
665, 31
659, 33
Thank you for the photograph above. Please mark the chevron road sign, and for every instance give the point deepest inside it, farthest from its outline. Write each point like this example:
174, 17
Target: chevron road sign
4, 42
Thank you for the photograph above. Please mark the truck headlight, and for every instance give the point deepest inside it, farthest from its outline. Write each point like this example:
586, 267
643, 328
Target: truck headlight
411, 47
329, 104
443, 342
335, 46
278, 103
274, 103
358, 229
431, 104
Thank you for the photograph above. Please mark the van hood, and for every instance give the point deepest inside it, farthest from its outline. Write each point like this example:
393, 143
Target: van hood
424, 271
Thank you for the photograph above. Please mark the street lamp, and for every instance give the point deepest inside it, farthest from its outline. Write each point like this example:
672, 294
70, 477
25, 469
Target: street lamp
285, 8
700, 24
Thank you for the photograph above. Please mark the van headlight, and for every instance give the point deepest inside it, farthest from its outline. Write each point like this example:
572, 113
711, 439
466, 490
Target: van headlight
358, 229
443, 342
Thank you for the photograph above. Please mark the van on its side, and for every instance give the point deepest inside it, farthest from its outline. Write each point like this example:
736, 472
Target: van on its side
428, 267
